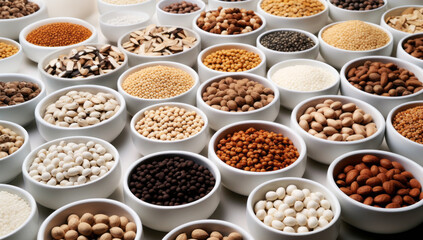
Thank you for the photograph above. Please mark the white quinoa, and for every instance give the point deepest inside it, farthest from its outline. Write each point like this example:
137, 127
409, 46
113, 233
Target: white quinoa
13, 212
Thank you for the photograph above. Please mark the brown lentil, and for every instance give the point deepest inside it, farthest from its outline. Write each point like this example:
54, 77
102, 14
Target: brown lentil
410, 20
181, 7
409, 123
10, 9
10, 141
256, 150
158, 82
16, 92
7, 50
201, 234
58, 34
414, 47
355, 35
292, 8
232, 60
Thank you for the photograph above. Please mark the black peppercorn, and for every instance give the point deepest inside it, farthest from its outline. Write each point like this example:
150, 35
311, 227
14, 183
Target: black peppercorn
287, 41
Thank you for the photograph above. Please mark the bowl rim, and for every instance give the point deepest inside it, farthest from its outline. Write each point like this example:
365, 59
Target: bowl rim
93, 88
300, 61
51, 56
375, 114
83, 139
409, 37
251, 77
42, 9
102, 18
324, 11
385, 4
160, 4
204, 162
22, 132
327, 191
138, 116
327, 45
220, 163
28, 198
377, 152
14, 43
25, 78
388, 11
395, 60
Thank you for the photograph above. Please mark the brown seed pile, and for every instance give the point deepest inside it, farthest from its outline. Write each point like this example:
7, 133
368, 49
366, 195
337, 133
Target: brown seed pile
181, 7
379, 182
355, 35
237, 95
291, 8
385, 79
10, 141
257, 150
95, 226
58, 34
229, 21
232, 60
409, 123
335, 121
200, 234
10, 9
410, 20
414, 47
16, 92
7, 50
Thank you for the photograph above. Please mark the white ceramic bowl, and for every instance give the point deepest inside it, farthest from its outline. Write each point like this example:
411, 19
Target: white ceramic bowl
208, 225
114, 32
71, 8
13, 63
325, 151
54, 197
147, 146
135, 104
22, 113
35, 52
148, 6
206, 73
187, 57
374, 219
11, 166
273, 57
246, 4
92, 205
107, 130
310, 23
10, 28
174, 216
30, 226
337, 57
219, 118
338, 14
290, 98
55, 83
398, 3
182, 20
264, 232
211, 39
402, 54
384, 104
243, 182
398, 143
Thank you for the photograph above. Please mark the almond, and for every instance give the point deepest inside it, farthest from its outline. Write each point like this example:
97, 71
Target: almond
407, 174
366, 172
390, 174
364, 190
393, 205
361, 179
386, 163
354, 186
397, 184
370, 159
382, 199
357, 197
403, 191
348, 168
374, 169
340, 183
351, 176
361, 166
389, 187
408, 200
377, 189
368, 201
374, 181
414, 183
382, 169
346, 190
342, 176
382, 177
397, 165
397, 199
415, 192
400, 178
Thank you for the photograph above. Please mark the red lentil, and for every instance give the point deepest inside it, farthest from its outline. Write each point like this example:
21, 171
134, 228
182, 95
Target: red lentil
409, 123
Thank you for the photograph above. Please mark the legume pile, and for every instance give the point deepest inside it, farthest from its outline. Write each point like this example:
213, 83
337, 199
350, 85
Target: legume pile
232, 60
14, 212
358, 5
200, 234
287, 41
181, 7
410, 20
7, 50
10, 142
414, 47
290, 8
17, 92
409, 123
12, 9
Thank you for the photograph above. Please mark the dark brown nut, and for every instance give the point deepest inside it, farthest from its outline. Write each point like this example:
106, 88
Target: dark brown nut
382, 199
351, 176
370, 159
364, 190
357, 197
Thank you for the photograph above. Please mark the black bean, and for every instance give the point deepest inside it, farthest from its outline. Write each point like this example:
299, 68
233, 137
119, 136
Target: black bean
287, 41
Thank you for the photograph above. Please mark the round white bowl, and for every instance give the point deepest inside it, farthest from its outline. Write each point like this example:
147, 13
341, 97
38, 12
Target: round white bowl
183, 20
211, 39
339, 14
55, 83
398, 143
10, 28
325, 151
310, 23
13, 63
402, 54
30, 226
148, 6
71, 8
290, 98
337, 57
398, 3
246, 4
114, 32
206, 73
11, 166
208, 225
384, 104
374, 219
218, 118
187, 57
264, 232
22, 113
243, 182
93, 206
175, 215
147, 146
35, 52
54, 197
135, 104
273, 57
107, 130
